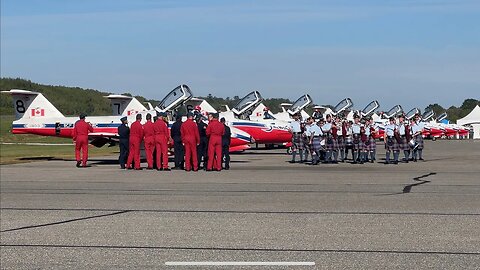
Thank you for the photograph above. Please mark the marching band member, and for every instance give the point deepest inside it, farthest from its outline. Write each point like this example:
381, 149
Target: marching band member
357, 142
370, 145
391, 143
403, 131
296, 131
348, 138
327, 134
306, 139
335, 142
417, 129
315, 134
341, 134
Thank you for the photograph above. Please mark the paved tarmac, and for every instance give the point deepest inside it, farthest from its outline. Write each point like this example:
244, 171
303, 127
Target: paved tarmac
372, 216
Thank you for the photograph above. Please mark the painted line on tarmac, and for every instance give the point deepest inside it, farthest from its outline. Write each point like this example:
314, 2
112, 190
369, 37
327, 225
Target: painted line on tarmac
63, 222
246, 249
239, 211
239, 263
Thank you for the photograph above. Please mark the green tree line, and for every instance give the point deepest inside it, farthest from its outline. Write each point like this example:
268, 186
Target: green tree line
75, 100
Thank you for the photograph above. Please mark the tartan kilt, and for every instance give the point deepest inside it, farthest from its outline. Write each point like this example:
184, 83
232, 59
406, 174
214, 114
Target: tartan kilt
371, 144
316, 146
297, 141
333, 145
306, 143
403, 144
357, 143
419, 139
340, 142
392, 144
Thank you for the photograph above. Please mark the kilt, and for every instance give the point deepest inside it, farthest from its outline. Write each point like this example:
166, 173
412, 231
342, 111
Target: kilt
316, 146
403, 144
371, 144
297, 141
357, 143
306, 143
340, 142
419, 139
392, 144
330, 144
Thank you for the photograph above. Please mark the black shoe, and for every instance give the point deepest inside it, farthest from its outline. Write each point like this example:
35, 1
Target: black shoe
159, 169
421, 159
386, 163
371, 161
406, 161
79, 163
227, 168
291, 161
414, 160
395, 162
354, 162
138, 169
166, 169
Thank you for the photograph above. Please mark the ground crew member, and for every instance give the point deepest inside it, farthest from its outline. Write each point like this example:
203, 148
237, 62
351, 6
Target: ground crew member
215, 131
80, 137
162, 138
135, 140
226, 139
190, 140
149, 140
202, 147
178, 149
123, 134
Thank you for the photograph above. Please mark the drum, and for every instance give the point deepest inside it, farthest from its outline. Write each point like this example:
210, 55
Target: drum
413, 144
348, 141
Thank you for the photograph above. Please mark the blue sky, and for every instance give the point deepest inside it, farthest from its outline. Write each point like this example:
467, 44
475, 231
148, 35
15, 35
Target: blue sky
404, 52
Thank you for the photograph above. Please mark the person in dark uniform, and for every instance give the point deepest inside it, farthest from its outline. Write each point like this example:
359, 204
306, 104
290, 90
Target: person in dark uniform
177, 143
226, 139
124, 134
202, 147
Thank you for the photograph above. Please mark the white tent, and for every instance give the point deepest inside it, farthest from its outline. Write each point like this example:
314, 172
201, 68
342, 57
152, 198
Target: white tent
473, 119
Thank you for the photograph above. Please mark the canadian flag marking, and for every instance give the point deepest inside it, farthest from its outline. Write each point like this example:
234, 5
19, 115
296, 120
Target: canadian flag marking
38, 112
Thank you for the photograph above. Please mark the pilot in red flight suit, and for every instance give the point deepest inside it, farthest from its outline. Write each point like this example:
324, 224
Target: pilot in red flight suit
162, 137
80, 137
215, 131
149, 140
136, 137
190, 139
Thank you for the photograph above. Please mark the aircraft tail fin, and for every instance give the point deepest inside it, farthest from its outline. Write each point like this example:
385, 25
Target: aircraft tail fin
258, 111
125, 105
32, 105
